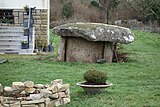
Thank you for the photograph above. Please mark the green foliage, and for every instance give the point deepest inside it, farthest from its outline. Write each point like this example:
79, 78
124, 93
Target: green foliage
114, 3
152, 9
149, 10
24, 42
41, 42
95, 77
67, 10
26, 8
95, 4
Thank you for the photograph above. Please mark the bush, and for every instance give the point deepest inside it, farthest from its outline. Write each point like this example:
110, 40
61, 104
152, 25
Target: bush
68, 10
95, 4
95, 77
41, 42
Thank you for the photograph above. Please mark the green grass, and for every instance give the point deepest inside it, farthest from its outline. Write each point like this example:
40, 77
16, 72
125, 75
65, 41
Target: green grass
135, 83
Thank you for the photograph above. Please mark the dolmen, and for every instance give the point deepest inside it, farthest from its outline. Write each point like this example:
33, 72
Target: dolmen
90, 42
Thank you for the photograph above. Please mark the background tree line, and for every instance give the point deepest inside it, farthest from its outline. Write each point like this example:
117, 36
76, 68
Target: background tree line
105, 11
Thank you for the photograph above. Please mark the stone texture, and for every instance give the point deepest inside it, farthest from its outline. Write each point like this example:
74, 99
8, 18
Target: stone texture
35, 96
62, 95
17, 104
18, 85
33, 102
96, 32
30, 90
29, 84
46, 93
58, 102
79, 48
58, 87
8, 89
67, 92
15, 14
108, 53
66, 100
30, 105
54, 96
57, 81
16, 19
61, 50
23, 92
21, 17
64, 87
90, 42
39, 86
50, 104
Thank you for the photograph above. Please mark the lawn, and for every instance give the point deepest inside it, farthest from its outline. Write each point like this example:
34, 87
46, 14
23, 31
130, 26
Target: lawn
135, 83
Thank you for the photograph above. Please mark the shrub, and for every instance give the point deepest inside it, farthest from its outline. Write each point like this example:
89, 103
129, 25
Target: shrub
95, 4
24, 42
41, 42
68, 10
95, 77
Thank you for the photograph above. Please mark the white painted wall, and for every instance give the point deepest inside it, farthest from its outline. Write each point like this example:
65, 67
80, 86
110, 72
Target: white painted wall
19, 4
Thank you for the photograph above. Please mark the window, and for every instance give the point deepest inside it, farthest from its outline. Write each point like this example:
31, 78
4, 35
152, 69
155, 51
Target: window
6, 16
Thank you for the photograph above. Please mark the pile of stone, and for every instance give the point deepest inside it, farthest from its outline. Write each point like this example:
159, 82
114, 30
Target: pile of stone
28, 94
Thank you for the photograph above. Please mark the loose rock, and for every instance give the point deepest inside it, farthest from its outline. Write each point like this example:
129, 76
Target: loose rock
39, 86
66, 100
30, 90
18, 85
36, 96
29, 84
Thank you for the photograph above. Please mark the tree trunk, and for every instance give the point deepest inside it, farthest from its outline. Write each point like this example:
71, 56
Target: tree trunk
103, 11
105, 4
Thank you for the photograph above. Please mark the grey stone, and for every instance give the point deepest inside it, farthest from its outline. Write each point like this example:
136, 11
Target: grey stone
35, 96
23, 93
30, 90
47, 101
66, 100
53, 88
16, 104
96, 32
21, 17
39, 86
33, 102
64, 87
50, 104
46, 93
3, 61
31, 105
57, 81
67, 92
8, 89
62, 95
54, 96
101, 61
29, 84
18, 85
58, 102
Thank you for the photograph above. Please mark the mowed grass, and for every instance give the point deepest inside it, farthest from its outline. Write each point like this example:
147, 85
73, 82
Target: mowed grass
135, 83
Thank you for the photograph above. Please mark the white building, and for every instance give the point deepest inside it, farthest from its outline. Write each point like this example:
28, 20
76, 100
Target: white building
13, 21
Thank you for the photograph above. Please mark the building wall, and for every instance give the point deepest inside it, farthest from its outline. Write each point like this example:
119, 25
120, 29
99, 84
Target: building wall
40, 20
41, 14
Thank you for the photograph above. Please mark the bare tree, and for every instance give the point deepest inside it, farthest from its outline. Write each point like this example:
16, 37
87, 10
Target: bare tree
106, 7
